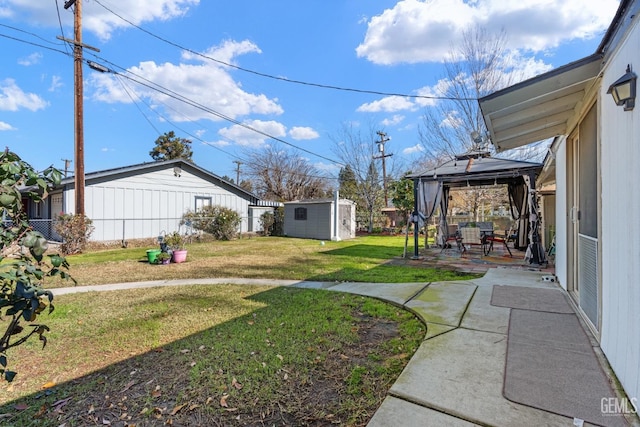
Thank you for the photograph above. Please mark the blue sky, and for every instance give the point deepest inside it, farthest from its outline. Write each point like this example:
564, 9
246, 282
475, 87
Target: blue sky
381, 46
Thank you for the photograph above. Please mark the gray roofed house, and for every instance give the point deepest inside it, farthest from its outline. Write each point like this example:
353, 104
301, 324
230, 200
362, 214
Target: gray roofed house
144, 200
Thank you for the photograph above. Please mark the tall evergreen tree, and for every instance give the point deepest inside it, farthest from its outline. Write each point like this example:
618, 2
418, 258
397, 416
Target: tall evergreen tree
169, 147
348, 184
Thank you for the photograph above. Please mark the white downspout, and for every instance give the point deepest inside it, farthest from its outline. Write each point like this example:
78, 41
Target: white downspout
336, 217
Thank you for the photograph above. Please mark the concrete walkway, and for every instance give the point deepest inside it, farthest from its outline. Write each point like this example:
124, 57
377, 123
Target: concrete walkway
456, 376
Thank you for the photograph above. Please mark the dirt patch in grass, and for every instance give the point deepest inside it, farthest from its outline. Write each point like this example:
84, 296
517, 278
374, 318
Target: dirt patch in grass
295, 358
146, 391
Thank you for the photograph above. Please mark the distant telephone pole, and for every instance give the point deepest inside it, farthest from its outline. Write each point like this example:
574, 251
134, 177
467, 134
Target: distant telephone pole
238, 163
67, 164
383, 140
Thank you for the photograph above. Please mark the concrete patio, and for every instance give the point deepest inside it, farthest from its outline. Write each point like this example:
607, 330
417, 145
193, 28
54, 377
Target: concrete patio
456, 377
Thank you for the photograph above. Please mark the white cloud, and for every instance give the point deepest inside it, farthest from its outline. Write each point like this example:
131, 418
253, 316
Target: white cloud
452, 120
203, 82
6, 126
299, 133
388, 104
96, 18
393, 121
32, 59
416, 31
418, 148
56, 83
12, 98
249, 138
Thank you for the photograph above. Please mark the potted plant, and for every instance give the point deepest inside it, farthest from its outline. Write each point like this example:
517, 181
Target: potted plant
152, 255
163, 258
176, 241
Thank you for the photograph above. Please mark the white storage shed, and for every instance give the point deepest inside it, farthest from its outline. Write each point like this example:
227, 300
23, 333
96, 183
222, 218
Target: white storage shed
320, 219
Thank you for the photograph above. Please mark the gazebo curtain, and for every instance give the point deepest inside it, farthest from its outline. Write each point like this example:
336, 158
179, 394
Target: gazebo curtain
443, 230
429, 194
520, 211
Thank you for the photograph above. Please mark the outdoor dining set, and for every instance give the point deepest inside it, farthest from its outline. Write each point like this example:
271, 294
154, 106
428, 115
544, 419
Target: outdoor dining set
466, 235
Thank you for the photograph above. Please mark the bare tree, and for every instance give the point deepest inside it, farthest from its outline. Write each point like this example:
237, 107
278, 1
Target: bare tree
281, 175
480, 65
477, 67
357, 149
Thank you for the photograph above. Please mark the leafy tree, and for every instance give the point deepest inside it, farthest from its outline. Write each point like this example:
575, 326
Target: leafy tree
402, 196
403, 199
348, 184
169, 147
23, 264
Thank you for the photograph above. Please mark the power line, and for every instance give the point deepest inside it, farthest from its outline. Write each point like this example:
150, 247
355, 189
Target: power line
284, 79
60, 21
172, 94
168, 92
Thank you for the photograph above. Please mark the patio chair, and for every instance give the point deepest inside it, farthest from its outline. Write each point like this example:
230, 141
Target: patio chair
489, 240
453, 235
471, 236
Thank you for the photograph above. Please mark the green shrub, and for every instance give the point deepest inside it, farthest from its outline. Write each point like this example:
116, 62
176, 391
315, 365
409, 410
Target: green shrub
75, 231
272, 223
222, 223
23, 264
267, 221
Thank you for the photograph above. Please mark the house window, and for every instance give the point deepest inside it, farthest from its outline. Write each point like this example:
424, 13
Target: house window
300, 214
202, 202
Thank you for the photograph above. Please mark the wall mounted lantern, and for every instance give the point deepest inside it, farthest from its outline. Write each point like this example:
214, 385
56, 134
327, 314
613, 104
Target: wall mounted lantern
623, 90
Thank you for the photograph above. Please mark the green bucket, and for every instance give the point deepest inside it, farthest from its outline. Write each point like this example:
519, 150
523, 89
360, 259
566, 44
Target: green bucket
152, 255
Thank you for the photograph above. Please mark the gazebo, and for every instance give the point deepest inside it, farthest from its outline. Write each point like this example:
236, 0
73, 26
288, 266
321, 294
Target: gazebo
477, 168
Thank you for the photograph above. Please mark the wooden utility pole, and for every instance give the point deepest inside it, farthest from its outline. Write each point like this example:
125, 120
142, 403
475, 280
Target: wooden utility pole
383, 140
78, 103
78, 108
238, 163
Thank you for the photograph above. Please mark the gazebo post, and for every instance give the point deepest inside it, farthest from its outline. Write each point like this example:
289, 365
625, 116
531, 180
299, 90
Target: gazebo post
416, 220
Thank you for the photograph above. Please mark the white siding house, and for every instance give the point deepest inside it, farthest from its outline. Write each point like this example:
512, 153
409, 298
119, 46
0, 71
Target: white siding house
594, 165
142, 201
316, 219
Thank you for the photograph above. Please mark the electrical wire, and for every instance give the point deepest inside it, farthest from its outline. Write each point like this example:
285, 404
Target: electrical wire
243, 160
172, 94
60, 22
163, 117
284, 79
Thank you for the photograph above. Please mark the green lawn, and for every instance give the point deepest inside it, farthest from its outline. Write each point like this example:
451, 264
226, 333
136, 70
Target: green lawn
223, 354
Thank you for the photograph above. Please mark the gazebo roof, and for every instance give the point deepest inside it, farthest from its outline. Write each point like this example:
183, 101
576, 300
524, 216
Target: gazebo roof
478, 168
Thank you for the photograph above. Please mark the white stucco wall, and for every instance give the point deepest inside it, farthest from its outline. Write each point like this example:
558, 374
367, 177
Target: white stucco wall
620, 234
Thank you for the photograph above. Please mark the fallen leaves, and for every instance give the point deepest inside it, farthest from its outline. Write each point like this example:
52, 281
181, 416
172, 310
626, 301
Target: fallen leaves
223, 401
236, 384
156, 392
178, 408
